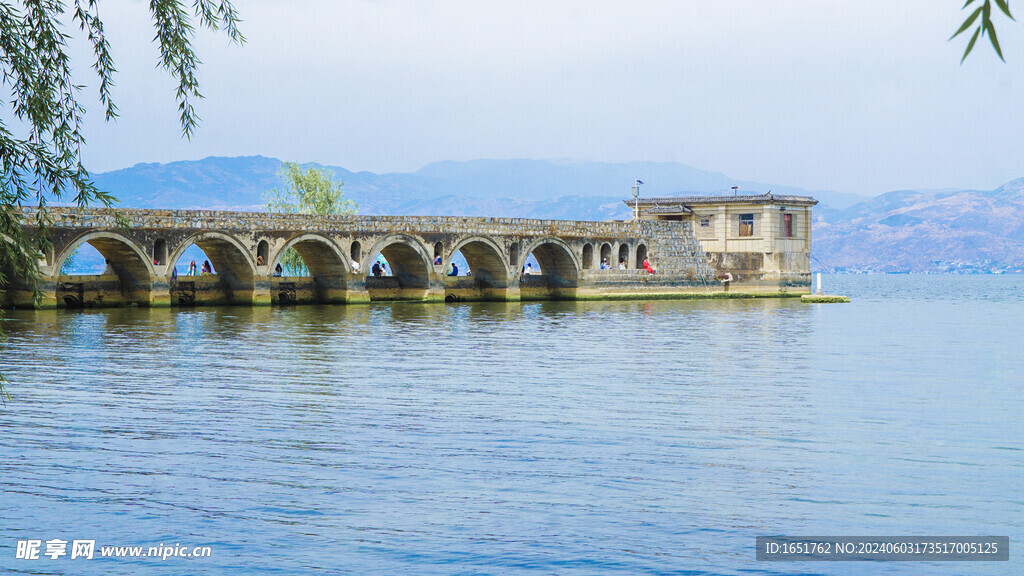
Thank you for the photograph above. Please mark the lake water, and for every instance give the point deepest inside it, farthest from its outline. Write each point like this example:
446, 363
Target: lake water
537, 438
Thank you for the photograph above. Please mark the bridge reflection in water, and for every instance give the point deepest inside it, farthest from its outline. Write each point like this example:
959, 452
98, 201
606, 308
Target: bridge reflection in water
339, 252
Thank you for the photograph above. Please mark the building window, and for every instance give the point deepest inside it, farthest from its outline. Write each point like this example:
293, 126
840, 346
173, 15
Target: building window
787, 225
746, 224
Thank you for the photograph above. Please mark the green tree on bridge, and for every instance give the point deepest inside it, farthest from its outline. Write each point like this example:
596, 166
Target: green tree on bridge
308, 190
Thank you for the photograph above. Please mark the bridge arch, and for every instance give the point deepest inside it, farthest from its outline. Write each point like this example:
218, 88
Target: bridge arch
322, 255
491, 275
410, 264
484, 257
124, 257
559, 269
233, 265
328, 267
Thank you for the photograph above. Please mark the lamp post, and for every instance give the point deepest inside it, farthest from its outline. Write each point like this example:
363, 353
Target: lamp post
636, 200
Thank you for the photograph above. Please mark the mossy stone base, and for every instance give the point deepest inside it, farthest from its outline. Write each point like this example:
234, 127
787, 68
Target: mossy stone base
824, 299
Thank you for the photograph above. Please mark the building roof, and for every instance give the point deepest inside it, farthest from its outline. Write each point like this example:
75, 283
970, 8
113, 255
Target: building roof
683, 203
667, 209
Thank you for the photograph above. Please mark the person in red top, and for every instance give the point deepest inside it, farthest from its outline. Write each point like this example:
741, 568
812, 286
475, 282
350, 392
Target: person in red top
647, 266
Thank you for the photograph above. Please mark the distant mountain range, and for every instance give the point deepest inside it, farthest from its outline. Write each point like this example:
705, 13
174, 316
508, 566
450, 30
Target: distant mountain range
523, 188
908, 231
904, 231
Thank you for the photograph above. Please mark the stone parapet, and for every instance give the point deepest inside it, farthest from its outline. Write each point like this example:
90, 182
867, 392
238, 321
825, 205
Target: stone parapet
105, 218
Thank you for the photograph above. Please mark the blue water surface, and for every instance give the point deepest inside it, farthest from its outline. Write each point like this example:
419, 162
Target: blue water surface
538, 438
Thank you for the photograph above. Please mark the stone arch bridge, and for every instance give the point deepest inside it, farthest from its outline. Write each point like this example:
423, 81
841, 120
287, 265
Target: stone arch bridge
340, 250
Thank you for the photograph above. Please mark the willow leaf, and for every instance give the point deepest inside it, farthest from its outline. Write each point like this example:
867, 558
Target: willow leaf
1005, 8
967, 23
970, 45
992, 38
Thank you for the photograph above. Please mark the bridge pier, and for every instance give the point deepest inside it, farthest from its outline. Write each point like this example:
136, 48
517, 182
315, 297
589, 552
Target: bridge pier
500, 294
332, 295
463, 289
261, 293
47, 287
434, 295
19, 296
357, 297
545, 293
355, 291
160, 294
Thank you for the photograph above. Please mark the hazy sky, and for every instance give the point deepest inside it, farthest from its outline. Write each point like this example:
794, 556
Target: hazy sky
861, 96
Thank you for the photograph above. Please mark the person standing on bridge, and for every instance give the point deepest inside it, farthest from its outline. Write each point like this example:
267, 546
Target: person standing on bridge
192, 269
207, 269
